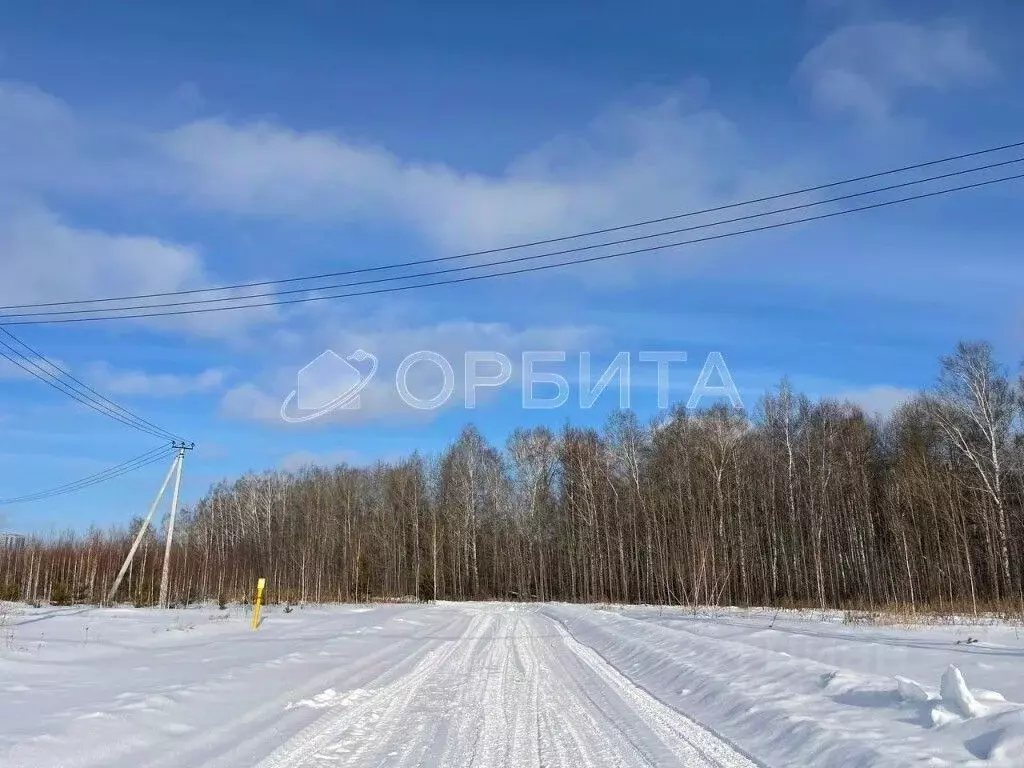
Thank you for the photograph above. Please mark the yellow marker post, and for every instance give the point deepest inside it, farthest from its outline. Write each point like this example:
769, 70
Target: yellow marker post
259, 601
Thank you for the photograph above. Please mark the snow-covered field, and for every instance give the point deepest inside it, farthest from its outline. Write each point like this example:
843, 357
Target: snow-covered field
501, 685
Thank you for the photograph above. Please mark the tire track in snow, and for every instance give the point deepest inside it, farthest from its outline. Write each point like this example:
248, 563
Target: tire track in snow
475, 738
527, 707
517, 690
582, 725
498, 720
344, 738
691, 743
412, 719
257, 724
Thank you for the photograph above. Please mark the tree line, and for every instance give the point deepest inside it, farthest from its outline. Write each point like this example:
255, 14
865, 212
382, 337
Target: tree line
794, 503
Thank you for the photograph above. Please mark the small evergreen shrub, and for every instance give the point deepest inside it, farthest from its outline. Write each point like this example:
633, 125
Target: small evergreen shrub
61, 594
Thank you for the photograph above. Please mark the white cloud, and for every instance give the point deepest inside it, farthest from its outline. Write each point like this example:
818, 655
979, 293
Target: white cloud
140, 383
48, 260
293, 462
48, 147
629, 163
11, 371
247, 402
864, 69
881, 399
38, 134
633, 161
625, 164
47, 150
379, 400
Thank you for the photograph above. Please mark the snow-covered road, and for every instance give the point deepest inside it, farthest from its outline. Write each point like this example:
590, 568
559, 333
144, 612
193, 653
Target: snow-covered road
487, 685
513, 689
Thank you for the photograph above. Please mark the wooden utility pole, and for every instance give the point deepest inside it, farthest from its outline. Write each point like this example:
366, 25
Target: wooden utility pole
142, 531
164, 576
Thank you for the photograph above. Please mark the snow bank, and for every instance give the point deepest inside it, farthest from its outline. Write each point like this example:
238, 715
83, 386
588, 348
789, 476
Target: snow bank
798, 711
956, 696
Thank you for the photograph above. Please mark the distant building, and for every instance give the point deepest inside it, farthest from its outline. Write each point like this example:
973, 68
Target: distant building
11, 540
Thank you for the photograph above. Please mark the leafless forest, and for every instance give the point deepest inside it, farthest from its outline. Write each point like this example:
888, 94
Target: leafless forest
792, 503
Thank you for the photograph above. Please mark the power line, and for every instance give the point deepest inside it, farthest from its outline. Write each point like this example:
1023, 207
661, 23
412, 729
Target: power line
548, 241
60, 379
520, 259
111, 473
34, 369
523, 270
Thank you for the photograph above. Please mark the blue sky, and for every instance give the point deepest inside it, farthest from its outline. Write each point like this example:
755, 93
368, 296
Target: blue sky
152, 148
